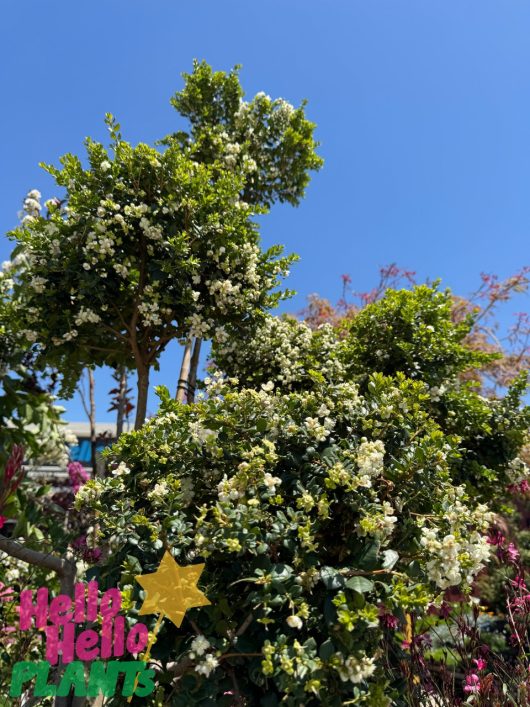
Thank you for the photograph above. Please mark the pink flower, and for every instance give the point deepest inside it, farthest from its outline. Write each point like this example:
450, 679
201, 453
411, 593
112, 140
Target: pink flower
512, 552
89, 554
495, 537
78, 475
6, 593
2, 521
519, 582
521, 488
480, 663
389, 621
472, 683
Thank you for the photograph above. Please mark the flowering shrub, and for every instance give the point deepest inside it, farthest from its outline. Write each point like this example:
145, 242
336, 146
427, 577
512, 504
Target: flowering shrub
329, 506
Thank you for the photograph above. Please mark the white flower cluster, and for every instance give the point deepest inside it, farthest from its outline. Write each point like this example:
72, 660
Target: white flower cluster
198, 326
209, 663
354, 669
279, 345
158, 492
462, 552
85, 316
31, 206
199, 646
381, 524
29, 335
317, 430
271, 482
150, 312
227, 489
370, 459
88, 494
152, 232
38, 284
121, 470
99, 245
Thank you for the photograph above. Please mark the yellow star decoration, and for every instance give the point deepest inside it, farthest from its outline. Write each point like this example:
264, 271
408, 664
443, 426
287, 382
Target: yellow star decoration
172, 589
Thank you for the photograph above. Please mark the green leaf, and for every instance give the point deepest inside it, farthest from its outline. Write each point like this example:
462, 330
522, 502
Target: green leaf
390, 557
360, 584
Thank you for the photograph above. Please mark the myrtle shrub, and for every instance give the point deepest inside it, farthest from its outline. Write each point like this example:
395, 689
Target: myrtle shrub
333, 507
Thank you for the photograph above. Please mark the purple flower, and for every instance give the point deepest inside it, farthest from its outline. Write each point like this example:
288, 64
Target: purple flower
89, 554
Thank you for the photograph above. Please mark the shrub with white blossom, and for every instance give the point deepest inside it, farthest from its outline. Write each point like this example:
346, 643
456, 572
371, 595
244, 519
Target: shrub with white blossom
329, 507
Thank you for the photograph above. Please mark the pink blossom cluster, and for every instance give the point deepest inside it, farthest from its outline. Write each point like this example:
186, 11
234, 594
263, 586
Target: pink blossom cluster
78, 475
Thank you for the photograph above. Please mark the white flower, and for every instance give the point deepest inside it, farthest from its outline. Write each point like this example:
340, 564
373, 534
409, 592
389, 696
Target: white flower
295, 622
34, 194
356, 670
315, 429
31, 205
38, 283
271, 482
199, 646
121, 470
158, 492
105, 165
86, 315
370, 456
209, 664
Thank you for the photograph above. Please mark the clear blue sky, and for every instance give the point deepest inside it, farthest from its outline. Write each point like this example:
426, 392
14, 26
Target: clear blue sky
423, 112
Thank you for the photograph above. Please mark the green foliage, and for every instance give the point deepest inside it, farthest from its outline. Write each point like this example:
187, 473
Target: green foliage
319, 502
151, 247
267, 141
412, 332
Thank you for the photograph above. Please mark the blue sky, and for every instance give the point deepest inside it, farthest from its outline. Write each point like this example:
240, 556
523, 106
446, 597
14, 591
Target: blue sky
423, 113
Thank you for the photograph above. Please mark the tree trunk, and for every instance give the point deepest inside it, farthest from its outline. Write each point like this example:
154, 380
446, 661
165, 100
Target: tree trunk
192, 378
92, 420
120, 417
143, 390
182, 387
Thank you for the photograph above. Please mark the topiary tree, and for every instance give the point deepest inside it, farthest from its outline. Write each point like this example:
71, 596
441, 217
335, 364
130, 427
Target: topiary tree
149, 249
330, 500
152, 245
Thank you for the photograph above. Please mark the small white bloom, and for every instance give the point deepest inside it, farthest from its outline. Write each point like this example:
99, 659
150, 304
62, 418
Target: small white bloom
209, 664
200, 645
295, 622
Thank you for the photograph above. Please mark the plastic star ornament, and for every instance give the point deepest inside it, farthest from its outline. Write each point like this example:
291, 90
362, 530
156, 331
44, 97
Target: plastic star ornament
172, 589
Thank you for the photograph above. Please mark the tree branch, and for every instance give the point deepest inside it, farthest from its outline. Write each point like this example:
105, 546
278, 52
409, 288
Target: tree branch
34, 557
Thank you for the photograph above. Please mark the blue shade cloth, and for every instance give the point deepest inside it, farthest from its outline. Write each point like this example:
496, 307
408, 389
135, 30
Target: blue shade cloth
82, 453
